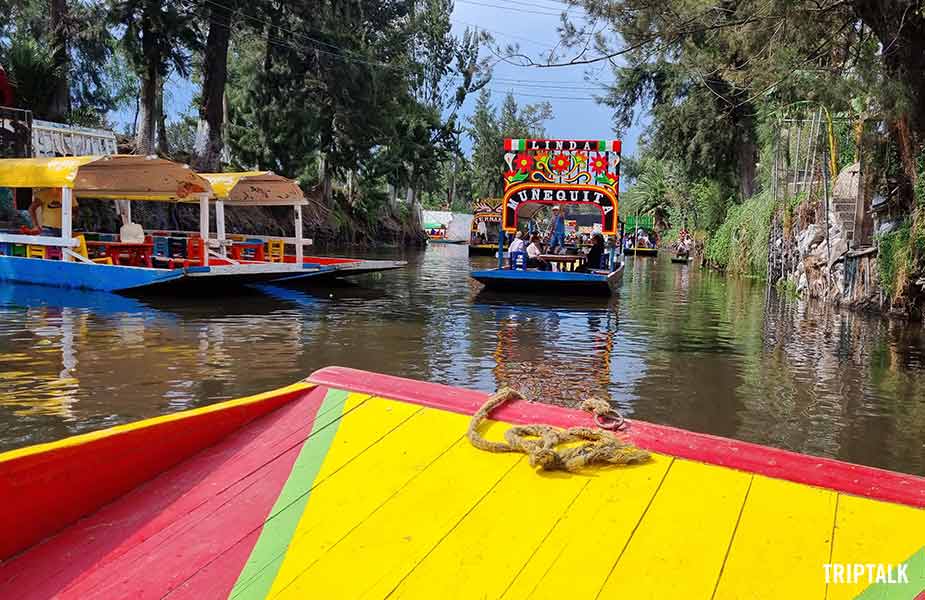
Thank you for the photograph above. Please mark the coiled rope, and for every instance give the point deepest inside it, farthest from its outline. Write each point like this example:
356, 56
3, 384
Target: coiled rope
541, 442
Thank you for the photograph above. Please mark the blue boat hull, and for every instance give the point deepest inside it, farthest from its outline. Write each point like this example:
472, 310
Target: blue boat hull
78, 275
550, 282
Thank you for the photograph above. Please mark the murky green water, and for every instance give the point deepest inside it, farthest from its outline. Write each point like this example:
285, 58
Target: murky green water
680, 346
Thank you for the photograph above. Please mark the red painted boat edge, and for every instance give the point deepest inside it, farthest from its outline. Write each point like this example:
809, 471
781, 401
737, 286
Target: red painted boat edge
840, 476
46, 487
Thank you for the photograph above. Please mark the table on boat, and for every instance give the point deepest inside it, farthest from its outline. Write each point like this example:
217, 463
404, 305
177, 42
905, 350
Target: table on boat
138, 254
238, 248
564, 262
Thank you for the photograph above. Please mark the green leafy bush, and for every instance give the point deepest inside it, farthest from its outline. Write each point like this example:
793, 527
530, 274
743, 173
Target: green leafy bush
740, 244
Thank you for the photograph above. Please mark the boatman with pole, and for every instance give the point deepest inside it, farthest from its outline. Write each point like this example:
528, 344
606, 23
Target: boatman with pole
558, 229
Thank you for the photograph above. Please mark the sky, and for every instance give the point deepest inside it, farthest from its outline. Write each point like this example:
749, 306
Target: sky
531, 24
571, 90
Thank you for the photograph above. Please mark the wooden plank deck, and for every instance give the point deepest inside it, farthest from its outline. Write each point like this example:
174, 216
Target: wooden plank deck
349, 495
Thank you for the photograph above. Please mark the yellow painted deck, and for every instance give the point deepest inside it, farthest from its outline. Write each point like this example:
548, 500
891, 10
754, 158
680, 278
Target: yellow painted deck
404, 507
379, 498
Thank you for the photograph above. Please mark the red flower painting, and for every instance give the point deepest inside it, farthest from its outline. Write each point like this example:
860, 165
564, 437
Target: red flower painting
523, 162
599, 164
560, 162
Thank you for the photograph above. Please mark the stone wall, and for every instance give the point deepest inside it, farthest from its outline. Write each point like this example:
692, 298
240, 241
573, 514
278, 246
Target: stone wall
809, 250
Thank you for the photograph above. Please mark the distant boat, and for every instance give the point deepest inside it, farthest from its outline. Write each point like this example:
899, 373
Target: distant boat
681, 260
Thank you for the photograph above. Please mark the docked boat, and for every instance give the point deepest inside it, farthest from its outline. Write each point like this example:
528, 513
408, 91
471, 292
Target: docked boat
63, 259
263, 189
436, 234
485, 229
353, 484
558, 173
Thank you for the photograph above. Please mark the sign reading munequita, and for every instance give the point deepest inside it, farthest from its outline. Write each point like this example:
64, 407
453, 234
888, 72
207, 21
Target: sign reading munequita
555, 193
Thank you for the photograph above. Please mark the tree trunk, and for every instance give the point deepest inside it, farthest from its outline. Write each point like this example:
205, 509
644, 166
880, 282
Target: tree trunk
207, 149
163, 145
60, 104
147, 113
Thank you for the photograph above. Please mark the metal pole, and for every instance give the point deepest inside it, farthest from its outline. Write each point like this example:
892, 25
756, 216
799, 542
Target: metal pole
813, 147
796, 160
67, 216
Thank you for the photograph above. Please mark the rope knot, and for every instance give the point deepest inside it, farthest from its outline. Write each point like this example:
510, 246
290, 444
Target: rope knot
541, 442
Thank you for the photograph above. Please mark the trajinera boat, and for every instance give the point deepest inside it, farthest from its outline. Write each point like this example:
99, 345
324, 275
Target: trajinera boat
264, 188
63, 259
358, 485
635, 227
158, 262
558, 173
486, 228
436, 234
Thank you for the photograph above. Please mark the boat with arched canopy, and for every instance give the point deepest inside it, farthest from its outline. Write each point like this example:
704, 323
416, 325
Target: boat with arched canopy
486, 228
550, 174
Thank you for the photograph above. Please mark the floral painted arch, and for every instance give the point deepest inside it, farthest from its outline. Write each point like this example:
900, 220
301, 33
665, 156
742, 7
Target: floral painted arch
546, 171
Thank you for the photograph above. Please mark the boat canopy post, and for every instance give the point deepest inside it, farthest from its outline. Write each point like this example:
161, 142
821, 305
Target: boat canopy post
501, 249
220, 226
299, 250
67, 216
204, 226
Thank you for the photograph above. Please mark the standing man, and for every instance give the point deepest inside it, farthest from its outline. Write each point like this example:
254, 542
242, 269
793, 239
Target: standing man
558, 229
48, 200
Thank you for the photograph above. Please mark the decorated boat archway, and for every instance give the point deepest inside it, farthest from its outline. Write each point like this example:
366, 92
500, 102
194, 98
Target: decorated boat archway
545, 173
486, 226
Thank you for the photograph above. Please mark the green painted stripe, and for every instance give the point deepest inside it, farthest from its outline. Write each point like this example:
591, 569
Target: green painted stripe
602, 145
521, 144
261, 568
899, 591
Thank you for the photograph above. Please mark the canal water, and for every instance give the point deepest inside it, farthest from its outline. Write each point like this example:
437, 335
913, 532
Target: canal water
680, 346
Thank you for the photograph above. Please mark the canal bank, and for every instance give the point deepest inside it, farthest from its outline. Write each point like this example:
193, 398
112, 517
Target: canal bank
679, 346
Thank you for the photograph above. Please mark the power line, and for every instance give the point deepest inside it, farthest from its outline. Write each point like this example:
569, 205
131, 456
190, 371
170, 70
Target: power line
511, 83
509, 8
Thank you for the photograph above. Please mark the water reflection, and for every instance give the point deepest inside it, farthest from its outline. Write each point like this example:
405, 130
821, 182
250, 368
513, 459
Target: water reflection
680, 346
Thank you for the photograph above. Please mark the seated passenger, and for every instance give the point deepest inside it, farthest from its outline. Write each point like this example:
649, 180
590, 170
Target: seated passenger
516, 247
518, 244
534, 250
595, 254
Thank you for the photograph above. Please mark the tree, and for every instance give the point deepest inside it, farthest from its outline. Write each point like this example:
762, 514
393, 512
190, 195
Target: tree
158, 36
209, 144
79, 86
60, 104
488, 130
722, 59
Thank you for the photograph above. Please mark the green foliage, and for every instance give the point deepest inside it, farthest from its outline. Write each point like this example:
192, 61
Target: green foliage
740, 244
901, 255
487, 129
893, 258
30, 65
